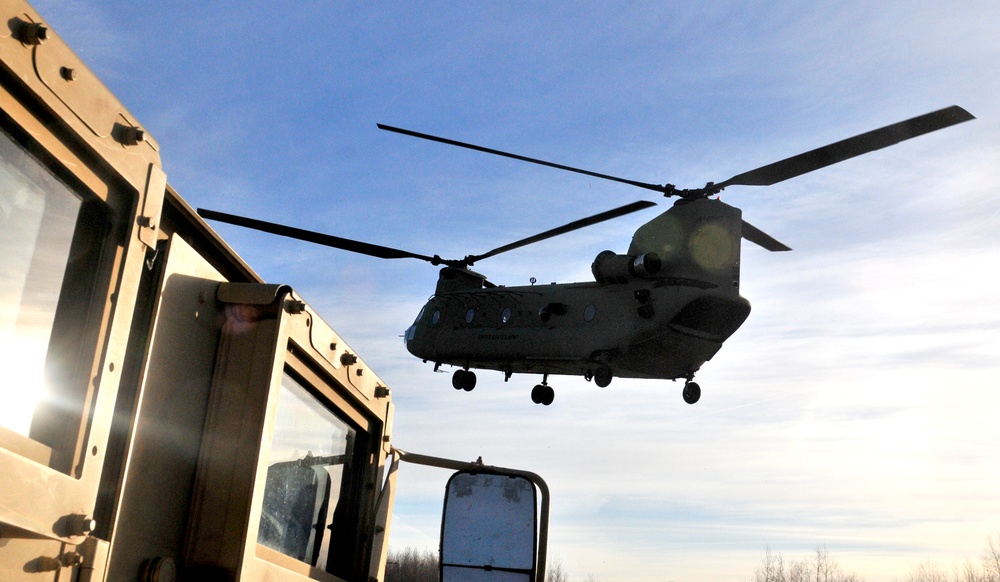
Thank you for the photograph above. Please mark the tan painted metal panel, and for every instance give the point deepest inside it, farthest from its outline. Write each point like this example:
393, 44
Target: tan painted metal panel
169, 415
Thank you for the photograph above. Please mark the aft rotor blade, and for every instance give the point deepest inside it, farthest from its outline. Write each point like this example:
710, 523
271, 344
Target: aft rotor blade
646, 185
315, 237
761, 238
577, 224
849, 148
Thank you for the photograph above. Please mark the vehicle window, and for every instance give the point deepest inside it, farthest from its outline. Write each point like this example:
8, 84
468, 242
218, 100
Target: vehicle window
312, 475
50, 244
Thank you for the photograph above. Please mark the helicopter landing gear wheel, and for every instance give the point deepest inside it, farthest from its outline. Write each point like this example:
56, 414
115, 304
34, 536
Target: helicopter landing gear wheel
463, 380
543, 394
692, 392
603, 377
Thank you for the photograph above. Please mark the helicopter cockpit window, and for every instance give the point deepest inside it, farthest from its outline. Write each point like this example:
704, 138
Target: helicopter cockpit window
51, 239
313, 474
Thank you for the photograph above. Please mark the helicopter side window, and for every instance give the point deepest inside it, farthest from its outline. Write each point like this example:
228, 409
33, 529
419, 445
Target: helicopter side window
436, 317
590, 312
505, 315
470, 315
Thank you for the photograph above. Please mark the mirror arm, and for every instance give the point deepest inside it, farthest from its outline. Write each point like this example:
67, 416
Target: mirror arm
478, 466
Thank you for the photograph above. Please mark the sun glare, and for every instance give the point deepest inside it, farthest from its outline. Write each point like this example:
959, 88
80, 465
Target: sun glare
23, 359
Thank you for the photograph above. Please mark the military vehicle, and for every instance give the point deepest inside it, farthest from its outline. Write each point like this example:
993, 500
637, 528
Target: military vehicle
165, 413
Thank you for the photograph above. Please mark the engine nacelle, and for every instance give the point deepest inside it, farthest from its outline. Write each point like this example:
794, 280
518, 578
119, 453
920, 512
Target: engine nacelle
611, 268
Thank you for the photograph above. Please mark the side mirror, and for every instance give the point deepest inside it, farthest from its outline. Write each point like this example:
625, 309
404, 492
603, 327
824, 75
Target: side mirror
495, 526
489, 529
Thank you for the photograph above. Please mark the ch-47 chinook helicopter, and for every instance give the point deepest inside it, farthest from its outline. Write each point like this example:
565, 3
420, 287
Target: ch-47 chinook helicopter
659, 311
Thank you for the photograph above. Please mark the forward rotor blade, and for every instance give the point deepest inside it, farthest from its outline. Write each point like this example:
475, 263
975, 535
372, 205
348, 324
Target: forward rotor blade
849, 148
646, 185
315, 237
761, 238
577, 224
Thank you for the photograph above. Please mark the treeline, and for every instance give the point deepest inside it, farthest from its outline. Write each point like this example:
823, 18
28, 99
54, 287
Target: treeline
412, 565
820, 567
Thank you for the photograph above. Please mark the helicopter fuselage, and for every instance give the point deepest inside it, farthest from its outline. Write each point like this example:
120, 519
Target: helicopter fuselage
660, 328
660, 311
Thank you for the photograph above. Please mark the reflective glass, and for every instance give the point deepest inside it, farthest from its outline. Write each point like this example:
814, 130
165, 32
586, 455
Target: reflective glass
488, 530
38, 216
308, 477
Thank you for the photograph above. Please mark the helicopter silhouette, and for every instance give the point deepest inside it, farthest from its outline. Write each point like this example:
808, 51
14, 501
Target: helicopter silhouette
659, 311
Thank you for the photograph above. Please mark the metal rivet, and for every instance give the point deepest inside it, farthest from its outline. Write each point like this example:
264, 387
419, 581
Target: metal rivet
67, 73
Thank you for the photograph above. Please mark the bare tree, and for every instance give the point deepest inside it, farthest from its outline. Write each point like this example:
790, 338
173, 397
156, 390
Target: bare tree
927, 571
799, 572
555, 573
821, 568
991, 559
970, 573
771, 568
411, 565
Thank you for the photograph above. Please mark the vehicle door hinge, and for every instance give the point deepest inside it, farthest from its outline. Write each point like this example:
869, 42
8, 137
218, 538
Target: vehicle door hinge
152, 206
93, 561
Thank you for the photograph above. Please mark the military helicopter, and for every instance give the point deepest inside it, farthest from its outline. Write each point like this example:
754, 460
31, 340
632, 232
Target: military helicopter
659, 311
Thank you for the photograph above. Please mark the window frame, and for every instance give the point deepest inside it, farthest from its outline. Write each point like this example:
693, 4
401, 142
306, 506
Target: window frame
260, 343
126, 183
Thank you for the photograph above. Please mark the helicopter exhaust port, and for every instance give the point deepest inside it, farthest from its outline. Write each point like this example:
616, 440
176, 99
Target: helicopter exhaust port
611, 268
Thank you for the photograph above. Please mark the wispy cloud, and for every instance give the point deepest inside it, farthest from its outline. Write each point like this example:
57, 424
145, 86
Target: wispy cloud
853, 407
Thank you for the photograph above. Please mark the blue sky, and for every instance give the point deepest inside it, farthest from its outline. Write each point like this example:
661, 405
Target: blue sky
855, 409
